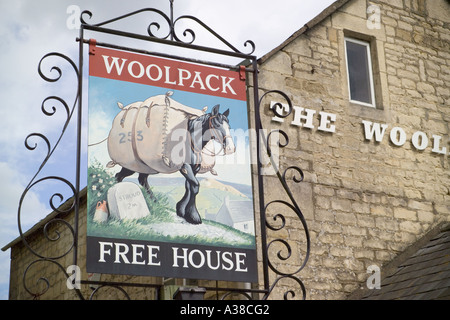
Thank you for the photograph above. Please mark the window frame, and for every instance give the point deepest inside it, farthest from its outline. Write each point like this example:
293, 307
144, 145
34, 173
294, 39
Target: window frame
367, 45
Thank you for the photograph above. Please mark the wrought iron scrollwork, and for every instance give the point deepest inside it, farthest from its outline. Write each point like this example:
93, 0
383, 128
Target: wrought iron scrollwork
42, 283
116, 287
122, 17
172, 34
232, 294
53, 75
211, 31
274, 223
285, 253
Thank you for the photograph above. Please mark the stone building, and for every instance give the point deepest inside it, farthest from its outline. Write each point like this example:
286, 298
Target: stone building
369, 81
364, 66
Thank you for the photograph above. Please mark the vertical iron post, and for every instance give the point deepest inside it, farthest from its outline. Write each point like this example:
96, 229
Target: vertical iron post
172, 27
78, 160
262, 215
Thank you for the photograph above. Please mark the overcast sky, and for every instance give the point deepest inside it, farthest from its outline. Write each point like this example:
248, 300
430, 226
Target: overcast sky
29, 29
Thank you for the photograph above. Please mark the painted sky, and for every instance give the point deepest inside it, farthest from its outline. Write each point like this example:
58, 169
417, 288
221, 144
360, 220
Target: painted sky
104, 94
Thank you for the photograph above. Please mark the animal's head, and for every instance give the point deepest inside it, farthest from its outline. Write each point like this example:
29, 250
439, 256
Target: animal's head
219, 126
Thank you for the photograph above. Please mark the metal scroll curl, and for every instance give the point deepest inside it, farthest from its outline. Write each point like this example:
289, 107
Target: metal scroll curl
277, 222
152, 26
42, 284
52, 229
290, 293
232, 295
211, 31
96, 291
187, 36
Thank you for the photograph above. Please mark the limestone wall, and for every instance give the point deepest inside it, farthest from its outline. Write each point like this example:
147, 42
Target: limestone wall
365, 201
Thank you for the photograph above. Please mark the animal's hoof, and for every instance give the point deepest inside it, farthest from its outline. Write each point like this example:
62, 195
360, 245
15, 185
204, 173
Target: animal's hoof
193, 220
193, 217
180, 211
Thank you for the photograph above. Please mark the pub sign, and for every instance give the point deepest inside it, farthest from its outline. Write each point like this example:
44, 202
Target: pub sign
169, 176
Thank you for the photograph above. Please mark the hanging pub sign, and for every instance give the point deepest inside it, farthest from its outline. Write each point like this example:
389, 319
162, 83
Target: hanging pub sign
169, 177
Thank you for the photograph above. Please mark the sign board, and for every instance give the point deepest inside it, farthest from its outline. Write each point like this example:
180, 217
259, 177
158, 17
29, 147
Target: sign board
169, 177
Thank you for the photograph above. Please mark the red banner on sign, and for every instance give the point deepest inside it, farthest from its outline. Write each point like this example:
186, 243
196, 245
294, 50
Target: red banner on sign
177, 75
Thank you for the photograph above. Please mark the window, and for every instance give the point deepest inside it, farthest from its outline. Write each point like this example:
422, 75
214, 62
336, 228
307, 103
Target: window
359, 72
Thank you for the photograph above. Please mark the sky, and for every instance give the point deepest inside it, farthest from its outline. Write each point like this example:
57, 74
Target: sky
29, 29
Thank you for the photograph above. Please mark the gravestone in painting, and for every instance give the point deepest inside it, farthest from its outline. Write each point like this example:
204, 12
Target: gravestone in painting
126, 201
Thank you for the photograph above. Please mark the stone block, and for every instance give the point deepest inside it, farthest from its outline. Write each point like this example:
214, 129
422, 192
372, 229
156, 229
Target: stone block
411, 226
403, 213
425, 88
425, 216
341, 205
280, 63
381, 211
302, 47
346, 218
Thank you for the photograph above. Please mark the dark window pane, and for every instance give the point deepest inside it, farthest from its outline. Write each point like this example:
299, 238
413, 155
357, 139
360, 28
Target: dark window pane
358, 72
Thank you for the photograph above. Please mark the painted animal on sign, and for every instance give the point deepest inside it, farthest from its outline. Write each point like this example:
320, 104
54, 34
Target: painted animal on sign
161, 135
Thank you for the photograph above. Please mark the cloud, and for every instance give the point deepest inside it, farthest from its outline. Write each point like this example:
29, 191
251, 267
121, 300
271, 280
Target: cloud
28, 37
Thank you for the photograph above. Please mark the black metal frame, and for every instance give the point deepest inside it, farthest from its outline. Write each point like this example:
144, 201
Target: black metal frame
171, 39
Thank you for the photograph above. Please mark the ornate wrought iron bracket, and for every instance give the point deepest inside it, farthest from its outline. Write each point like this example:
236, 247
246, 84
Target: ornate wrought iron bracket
74, 205
273, 274
291, 205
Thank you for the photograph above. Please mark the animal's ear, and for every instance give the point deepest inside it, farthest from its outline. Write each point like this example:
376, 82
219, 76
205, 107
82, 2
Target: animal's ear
226, 113
215, 110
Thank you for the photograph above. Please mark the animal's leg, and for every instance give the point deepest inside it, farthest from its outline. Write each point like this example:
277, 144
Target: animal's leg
144, 182
192, 215
190, 212
123, 174
181, 205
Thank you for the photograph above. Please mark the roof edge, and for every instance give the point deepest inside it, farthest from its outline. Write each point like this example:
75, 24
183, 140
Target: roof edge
309, 25
391, 267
